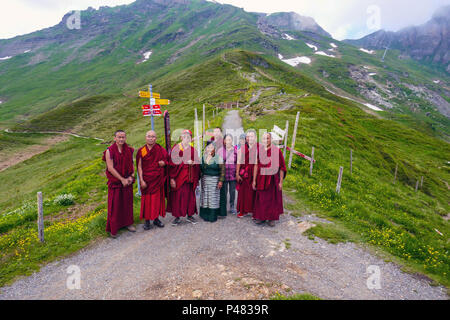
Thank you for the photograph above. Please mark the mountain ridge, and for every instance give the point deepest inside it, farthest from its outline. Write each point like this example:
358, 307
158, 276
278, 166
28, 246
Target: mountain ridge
428, 42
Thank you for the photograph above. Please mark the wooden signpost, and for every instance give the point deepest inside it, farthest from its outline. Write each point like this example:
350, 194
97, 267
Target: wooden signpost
151, 110
146, 94
155, 102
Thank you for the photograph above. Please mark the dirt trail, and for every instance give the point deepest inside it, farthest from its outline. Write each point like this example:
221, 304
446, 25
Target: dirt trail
228, 259
29, 152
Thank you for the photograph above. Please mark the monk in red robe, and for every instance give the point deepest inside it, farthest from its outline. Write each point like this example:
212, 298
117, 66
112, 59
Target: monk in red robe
244, 175
151, 161
268, 177
120, 174
184, 174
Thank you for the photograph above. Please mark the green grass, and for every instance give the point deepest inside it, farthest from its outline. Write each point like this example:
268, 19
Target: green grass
11, 143
370, 208
297, 296
330, 232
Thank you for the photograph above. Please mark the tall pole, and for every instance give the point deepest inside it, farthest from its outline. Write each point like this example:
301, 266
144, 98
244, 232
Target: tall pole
285, 138
204, 126
197, 134
293, 139
151, 105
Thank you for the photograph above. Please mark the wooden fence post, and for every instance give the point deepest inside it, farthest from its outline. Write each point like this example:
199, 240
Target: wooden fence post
293, 139
395, 175
338, 186
351, 161
417, 185
40, 208
311, 162
285, 138
204, 127
421, 182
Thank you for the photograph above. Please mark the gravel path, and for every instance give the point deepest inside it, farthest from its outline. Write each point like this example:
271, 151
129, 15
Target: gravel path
229, 259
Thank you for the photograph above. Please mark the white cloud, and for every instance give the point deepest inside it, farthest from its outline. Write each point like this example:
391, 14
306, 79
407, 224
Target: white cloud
24, 16
343, 18
349, 18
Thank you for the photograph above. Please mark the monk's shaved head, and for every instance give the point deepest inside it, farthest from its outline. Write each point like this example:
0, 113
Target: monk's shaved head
150, 133
150, 137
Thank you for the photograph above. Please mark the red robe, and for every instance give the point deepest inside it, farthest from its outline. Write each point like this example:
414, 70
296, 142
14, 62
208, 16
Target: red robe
152, 199
120, 198
268, 197
182, 199
246, 193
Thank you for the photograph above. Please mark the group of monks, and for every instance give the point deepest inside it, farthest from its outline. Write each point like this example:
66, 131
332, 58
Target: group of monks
259, 173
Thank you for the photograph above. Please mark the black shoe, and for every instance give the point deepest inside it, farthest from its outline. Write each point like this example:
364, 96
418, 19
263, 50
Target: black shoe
147, 225
258, 222
158, 223
176, 221
191, 219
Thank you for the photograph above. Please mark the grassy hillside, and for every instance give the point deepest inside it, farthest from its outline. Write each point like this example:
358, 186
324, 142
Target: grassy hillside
105, 58
370, 208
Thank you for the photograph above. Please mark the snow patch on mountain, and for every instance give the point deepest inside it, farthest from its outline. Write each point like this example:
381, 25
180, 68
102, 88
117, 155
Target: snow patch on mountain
325, 54
367, 51
311, 46
6, 58
146, 56
371, 106
295, 61
287, 37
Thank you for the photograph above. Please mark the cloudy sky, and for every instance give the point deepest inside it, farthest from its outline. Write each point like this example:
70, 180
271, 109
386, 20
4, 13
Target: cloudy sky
344, 19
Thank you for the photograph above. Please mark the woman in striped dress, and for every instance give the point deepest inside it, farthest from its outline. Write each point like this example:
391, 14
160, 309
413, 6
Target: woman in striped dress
212, 177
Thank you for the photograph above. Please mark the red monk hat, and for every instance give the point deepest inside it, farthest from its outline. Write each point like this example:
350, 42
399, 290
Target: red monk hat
187, 131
